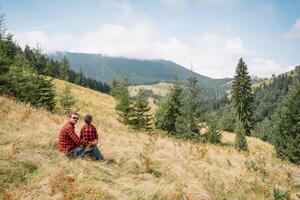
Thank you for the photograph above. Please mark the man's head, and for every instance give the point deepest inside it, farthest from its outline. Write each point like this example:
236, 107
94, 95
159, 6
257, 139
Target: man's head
88, 119
73, 118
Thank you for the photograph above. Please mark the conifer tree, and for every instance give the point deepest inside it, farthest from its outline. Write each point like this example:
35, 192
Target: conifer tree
242, 96
286, 131
169, 108
64, 69
187, 122
120, 92
28, 86
66, 101
141, 119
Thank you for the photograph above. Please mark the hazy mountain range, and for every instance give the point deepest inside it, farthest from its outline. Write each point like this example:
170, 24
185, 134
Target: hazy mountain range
105, 68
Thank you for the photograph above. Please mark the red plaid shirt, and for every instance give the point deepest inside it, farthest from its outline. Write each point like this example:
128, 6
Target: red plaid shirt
68, 140
88, 132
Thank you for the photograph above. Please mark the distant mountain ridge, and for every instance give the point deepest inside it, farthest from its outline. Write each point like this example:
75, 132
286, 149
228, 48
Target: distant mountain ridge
106, 68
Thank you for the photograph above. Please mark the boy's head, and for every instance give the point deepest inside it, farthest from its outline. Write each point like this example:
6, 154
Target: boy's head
88, 119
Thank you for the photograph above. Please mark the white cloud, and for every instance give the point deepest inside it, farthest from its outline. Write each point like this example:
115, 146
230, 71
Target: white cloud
265, 67
211, 53
294, 32
46, 41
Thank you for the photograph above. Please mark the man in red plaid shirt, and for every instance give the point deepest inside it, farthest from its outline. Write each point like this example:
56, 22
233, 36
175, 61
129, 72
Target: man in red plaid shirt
89, 133
69, 143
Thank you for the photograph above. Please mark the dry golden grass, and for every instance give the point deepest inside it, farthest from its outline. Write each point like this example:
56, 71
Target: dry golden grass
138, 166
158, 89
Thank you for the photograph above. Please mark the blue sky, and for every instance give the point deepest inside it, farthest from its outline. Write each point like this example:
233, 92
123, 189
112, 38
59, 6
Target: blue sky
210, 35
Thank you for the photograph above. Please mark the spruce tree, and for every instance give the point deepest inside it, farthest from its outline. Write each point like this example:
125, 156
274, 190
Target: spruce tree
28, 86
187, 122
141, 119
169, 108
242, 96
64, 69
66, 101
286, 131
120, 91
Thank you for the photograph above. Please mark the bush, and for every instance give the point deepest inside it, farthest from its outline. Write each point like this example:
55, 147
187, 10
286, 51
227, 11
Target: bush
227, 122
212, 135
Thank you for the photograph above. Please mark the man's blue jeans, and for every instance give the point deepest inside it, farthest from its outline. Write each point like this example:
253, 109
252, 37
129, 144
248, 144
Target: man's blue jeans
94, 153
80, 151
75, 153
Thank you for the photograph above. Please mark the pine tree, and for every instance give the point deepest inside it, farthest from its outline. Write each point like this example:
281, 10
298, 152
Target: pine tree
169, 108
120, 92
187, 122
141, 119
242, 96
286, 131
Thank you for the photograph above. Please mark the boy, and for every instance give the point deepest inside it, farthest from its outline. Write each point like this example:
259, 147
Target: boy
89, 133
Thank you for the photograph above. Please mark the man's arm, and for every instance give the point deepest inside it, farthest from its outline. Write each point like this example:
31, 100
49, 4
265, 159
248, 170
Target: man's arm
76, 139
81, 133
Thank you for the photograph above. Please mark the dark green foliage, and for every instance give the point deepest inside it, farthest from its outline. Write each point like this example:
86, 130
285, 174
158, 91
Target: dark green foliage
242, 97
8, 51
169, 108
212, 135
141, 119
64, 69
263, 130
240, 142
227, 122
120, 92
269, 96
187, 122
27, 86
66, 102
287, 127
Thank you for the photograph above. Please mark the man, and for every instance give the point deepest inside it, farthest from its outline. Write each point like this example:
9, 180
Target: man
68, 142
89, 133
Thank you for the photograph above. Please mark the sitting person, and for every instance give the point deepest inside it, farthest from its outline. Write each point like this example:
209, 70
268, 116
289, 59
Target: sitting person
89, 133
69, 143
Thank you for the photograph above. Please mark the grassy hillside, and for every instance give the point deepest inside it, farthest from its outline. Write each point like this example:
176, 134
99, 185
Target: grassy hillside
138, 166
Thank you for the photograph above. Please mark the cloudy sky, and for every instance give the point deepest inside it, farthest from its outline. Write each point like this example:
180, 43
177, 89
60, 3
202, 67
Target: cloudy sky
210, 35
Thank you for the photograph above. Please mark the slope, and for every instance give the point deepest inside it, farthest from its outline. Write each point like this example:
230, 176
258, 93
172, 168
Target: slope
138, 166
